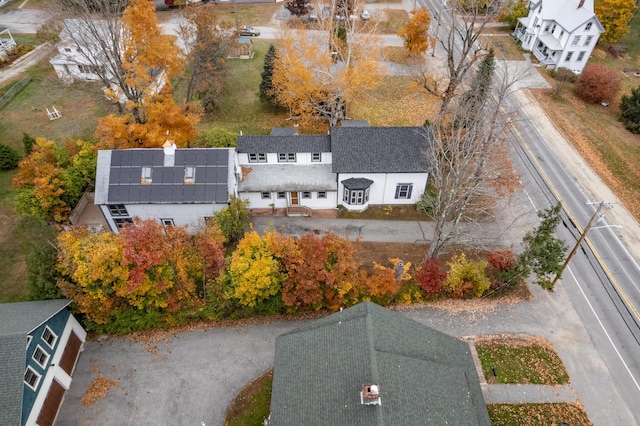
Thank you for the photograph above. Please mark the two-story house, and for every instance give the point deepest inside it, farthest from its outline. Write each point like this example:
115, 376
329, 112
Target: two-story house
176, 186
354, 166
40, 343
560, 33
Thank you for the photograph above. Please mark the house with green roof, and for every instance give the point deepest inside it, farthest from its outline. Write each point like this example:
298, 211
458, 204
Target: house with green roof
367, 365
40, 343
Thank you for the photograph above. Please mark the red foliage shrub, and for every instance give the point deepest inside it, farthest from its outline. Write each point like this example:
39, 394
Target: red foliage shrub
430, 276
597, 83
502, 260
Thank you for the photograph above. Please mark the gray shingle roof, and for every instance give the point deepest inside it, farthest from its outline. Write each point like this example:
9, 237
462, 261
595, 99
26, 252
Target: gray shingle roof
118, 177
282, 144
381, 149
425, 376
288, 177
17, 320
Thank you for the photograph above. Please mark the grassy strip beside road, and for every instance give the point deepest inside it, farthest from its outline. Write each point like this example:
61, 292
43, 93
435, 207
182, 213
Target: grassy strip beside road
537, 414
520, 360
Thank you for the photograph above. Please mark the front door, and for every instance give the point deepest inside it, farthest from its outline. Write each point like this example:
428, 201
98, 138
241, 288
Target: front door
294, 198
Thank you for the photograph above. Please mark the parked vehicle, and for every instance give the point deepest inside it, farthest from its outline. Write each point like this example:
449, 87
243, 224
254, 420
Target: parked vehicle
247, 30
365, 15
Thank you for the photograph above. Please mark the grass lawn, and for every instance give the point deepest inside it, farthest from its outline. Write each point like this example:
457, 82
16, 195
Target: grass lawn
12, 267
252, 404
537, 414
80, 104
520, 360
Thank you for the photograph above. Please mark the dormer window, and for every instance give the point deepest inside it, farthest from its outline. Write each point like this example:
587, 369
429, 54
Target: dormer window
145, 177
316, 156
258, 158
189, 174
287, 157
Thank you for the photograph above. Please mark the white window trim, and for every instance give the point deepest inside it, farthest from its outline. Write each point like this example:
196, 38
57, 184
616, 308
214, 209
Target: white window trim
306, 194
262, 195
167, 222
316, 157
322, 194
259, 157
46, 356
190, 174
36, 374
55, 337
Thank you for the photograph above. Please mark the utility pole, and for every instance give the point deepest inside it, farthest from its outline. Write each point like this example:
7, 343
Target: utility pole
596, 214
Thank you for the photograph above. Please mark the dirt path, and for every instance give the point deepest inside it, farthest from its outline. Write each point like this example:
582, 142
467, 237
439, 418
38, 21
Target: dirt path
23, 64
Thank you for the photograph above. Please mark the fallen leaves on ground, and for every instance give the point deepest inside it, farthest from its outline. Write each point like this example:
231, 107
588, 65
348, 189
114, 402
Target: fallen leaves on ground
98, 390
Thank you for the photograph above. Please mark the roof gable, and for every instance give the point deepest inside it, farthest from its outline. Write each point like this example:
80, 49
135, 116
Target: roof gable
381, 149
567, 13
17, 320
425, 377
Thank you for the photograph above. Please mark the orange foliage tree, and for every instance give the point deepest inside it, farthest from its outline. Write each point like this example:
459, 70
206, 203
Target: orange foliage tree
321, 272
316, 78
414, 32
143, 63
51, 179
145, 267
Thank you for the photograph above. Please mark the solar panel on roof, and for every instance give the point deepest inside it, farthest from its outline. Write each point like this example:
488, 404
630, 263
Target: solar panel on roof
188, 193
135, 157
210, 193
156, 193
199, 194
145, 192
116, 158
177, 193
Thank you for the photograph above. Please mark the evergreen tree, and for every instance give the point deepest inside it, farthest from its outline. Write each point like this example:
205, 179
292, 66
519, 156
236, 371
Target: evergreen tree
630, 111
9, 157
474, 99
38, 244
266, 85
28, 142
543, 254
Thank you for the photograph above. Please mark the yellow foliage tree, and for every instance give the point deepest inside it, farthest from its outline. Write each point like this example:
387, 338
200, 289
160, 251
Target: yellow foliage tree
254, 272
317, 77
414, 32
615, 16
465, 276
93, 264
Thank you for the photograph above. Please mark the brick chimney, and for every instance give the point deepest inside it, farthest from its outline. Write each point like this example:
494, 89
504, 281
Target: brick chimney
580, 4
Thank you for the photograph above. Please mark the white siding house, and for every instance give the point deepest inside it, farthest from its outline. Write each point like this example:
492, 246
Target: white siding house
175, 186
353, 167
560, 33
79, 59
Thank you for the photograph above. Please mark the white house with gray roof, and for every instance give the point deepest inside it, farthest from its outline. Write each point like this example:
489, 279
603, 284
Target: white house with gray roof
560, 33
176, 186
353, 166
40, 343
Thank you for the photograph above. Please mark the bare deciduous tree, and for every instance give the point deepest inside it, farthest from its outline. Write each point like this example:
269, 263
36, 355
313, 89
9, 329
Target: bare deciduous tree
207, 45
461, 41
471, 168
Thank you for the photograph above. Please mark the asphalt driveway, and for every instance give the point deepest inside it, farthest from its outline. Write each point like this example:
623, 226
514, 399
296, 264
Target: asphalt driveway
187, 379
192, 377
